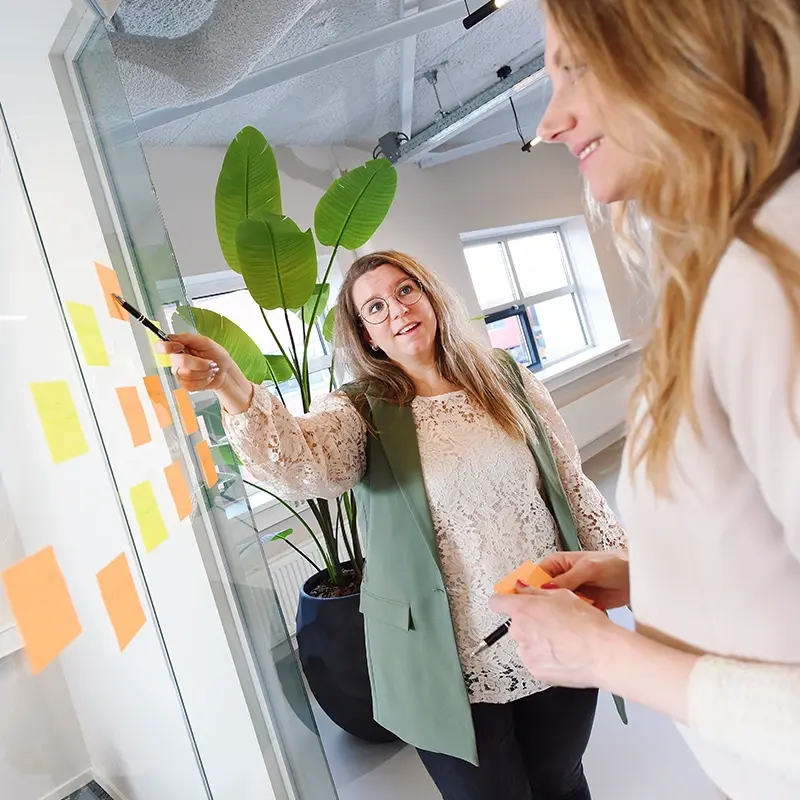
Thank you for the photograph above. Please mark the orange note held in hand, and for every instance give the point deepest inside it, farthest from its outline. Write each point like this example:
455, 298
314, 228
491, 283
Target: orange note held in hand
530, 574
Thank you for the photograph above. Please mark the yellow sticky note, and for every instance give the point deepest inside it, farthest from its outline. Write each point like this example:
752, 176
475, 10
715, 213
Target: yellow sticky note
162, 359
121, 600
59, 417
87, 330
42, 607
148, 515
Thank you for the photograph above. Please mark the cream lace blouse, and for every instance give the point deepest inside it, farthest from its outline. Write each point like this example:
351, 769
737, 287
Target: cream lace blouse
484, 494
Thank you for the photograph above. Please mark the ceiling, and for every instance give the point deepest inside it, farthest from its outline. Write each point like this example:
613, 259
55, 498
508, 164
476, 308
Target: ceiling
352, 102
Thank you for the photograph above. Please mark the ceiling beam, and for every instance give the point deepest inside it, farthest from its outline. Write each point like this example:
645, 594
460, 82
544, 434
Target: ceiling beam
424, 20
437, 157
408, 64
473, 111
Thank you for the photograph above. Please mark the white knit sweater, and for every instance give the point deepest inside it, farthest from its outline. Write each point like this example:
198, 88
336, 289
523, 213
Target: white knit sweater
716, 568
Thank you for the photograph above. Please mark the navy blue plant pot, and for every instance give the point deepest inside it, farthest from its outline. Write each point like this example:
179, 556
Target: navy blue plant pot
333, 654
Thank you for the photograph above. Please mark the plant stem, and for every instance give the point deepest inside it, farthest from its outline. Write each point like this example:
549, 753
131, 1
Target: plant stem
294, 368
275, 383
298, 517
301, 553
300, 383
352, 518
332, 381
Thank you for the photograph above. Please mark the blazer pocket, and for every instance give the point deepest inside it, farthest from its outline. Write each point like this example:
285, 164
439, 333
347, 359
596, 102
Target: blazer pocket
392, 612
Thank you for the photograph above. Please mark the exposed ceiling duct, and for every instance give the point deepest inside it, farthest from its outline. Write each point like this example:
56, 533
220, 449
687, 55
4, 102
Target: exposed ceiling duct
470, 113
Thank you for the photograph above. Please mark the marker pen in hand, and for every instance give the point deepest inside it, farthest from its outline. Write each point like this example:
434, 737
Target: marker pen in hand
139, 317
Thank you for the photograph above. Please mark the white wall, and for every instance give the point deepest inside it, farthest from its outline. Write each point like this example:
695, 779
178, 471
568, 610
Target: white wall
129, 712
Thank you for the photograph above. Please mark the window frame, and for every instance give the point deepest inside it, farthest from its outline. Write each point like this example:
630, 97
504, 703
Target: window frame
519, 305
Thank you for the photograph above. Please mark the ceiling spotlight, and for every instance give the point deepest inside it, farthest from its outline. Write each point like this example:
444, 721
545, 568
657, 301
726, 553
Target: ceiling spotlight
474, 17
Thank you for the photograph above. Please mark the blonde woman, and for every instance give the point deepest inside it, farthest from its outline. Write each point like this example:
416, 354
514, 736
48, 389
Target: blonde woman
684, 116
436, 433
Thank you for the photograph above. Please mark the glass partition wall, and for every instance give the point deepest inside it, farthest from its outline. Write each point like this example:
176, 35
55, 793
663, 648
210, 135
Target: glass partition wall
143, 652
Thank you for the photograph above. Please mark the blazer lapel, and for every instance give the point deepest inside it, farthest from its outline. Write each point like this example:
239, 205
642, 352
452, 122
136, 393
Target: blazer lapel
398, 435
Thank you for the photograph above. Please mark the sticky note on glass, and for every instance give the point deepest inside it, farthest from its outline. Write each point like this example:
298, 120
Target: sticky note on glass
155, 391
87, 331
134, 415
59, 418
110, 285
179, 489
42, 607
148, 515
186, 410
207, 463
162, 359
121, 600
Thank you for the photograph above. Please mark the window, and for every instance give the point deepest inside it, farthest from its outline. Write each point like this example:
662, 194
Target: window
225, 293
532, 304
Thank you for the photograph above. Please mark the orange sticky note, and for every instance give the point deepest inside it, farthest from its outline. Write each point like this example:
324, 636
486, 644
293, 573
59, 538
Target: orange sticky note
155, 391
134, 415
42, 607
188, 417
179, 489
532, 575
121, 600
207, 462
529, 573
110, 285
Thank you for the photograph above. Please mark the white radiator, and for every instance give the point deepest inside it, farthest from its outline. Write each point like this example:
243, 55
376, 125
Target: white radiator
598, 413
289, 572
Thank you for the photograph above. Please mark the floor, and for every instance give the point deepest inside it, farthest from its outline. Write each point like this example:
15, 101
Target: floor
647, 760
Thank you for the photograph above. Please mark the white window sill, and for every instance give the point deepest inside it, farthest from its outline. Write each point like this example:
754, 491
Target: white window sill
10, 641
584, 363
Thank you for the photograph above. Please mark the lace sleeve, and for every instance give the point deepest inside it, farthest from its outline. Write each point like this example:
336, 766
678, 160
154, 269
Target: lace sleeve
321, 454
751, 709
598, 528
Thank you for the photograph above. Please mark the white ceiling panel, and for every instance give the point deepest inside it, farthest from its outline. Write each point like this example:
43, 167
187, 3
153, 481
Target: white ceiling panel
355, 101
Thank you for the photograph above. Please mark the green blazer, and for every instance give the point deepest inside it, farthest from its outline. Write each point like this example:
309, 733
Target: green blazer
418, 688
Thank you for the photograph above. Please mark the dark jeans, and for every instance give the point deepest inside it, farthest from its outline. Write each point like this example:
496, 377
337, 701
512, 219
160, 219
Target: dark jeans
531, 749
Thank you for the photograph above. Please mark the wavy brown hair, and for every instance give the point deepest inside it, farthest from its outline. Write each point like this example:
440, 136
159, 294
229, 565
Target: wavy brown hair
460, 358
713, 88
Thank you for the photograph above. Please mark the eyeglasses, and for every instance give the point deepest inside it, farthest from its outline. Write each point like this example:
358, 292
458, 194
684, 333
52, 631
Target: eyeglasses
376, 311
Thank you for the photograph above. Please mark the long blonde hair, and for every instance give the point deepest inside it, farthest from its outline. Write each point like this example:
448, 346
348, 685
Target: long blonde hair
713, 88
460, 358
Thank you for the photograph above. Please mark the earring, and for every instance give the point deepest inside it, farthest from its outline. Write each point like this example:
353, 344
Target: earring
374, 347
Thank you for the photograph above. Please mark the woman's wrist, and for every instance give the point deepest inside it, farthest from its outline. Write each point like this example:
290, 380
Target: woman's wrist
236, 394
643, 671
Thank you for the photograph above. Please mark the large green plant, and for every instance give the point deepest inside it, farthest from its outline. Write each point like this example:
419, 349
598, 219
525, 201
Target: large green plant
278, 262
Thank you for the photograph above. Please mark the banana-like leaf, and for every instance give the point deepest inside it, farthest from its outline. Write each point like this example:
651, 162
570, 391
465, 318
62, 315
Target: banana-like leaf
278, 537
280, 367
308, 308
248, 181
355, 205
278, 261
243, 350
226, 454
327, 326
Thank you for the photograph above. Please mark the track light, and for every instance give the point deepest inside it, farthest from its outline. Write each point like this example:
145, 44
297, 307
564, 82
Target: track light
484, 11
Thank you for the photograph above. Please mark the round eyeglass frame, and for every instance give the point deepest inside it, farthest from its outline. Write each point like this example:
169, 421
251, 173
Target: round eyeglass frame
386, 299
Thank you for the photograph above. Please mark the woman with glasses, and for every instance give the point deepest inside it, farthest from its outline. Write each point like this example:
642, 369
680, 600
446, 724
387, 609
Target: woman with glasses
442, 438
